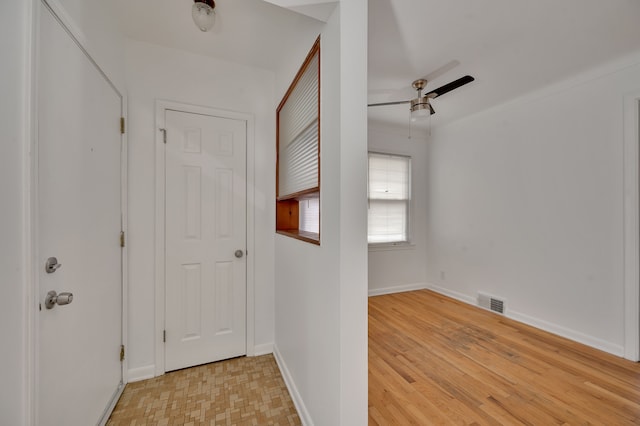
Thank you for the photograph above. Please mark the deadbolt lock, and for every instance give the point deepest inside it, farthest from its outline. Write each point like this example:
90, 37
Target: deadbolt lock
52, 265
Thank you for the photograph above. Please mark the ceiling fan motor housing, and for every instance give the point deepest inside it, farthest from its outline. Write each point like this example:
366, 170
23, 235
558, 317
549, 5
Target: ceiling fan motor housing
420, 104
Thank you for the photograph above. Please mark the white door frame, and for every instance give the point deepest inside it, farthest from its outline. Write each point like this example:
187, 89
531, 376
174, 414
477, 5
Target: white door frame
161, 107
631, 120
32, 191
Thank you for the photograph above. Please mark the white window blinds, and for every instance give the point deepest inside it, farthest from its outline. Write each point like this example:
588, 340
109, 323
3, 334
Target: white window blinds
298, 135
389, 196
310, 215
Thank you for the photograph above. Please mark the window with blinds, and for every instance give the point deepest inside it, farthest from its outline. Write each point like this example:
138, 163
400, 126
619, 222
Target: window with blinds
298, 135
389, 198
310, 215
298, 153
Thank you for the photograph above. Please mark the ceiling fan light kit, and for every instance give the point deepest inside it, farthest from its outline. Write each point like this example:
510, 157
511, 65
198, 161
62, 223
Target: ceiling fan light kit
420, 107
203, 14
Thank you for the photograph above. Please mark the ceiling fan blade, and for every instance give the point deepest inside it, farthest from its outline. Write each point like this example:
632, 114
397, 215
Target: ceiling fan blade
442, 70
433, 111
450, 86
381, 91
390, 103
406, 91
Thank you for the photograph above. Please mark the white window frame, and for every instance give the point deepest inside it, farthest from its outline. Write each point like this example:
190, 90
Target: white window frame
406, 244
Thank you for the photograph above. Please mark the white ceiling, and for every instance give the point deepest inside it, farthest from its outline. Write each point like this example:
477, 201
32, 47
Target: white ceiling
511, 47
318, 9
249, 32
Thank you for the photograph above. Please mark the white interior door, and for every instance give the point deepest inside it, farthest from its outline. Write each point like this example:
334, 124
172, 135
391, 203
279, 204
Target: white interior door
79, 223
205, 231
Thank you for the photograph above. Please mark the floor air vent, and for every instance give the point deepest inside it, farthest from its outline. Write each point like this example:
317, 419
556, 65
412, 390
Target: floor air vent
491, 303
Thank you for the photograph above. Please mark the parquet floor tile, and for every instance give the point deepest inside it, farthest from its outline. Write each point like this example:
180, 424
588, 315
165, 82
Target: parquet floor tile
240, 391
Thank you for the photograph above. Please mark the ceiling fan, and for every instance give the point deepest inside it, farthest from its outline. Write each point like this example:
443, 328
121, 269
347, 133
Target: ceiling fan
421, 105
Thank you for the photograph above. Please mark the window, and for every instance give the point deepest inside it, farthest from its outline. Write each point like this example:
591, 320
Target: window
298, 154
310, 215
389, 198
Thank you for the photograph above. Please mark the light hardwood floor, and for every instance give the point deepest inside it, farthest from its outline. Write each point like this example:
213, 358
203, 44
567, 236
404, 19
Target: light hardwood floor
434, 360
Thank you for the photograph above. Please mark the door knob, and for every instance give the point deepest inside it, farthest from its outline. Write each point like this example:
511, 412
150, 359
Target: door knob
239, 253
54, 298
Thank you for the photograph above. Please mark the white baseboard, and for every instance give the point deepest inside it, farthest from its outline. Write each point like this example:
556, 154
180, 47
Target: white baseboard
453, 294
576, 336
141, 373
303, 413
263, 349
556, 329
396, 289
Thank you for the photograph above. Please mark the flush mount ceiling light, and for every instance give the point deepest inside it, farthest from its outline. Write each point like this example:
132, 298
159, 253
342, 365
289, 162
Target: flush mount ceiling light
203, 14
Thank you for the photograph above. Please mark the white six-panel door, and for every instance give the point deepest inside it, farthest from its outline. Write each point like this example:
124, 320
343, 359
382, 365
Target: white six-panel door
205, 231
79, 223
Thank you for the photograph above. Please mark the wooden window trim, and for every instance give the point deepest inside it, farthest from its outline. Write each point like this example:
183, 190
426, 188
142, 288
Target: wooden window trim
287, 204
308, 237
301, 194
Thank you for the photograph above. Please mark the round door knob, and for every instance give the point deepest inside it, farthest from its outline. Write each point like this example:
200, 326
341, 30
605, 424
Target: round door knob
64, 298
54, 298
239, 253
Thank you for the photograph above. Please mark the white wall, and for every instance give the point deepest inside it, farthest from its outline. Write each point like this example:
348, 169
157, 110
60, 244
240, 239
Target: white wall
307, 276
14, 85
96, 25
353, 213
321, 291
402, 268
526, 203
155, 72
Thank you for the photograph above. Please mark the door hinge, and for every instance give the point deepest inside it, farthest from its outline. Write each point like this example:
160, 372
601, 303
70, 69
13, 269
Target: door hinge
122, 125
164, 135
164, 336
121, 238
121, 353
